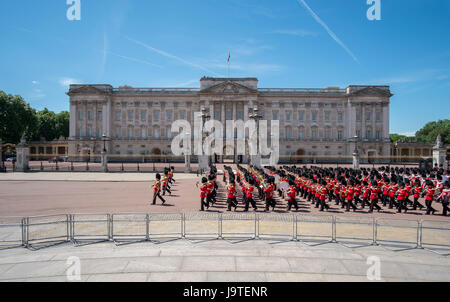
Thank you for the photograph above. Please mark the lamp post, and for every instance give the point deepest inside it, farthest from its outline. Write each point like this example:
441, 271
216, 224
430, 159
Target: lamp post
256, 159
356, 154
204, 160
187, 156
104, 154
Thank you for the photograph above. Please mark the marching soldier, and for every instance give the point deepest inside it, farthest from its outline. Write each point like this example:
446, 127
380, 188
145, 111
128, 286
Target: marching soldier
249, 196
401, 197
291, 193
374, 197
429, 192
232, 201
203, 194
157, 190
165, 183
417, 192
270, 201
445, 198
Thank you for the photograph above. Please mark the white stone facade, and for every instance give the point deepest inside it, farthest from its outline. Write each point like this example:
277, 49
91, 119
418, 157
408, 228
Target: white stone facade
315, 124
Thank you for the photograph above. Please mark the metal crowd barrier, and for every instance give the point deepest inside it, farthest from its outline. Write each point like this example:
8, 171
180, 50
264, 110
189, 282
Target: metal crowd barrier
81, 229
129, 228
90, 228
11, 232
165, 226
435, 236
314, 229
44, 231
354, 230
407, 238
241, 226
276, 226
202, 225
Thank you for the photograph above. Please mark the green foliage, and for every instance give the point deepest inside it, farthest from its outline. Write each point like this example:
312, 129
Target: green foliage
399, 138
16, 118
429, 133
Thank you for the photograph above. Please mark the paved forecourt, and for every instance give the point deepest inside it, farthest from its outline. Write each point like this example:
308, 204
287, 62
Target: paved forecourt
250, 261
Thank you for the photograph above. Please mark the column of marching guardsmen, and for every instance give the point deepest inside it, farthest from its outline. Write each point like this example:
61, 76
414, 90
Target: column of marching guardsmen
163, 185
348, 188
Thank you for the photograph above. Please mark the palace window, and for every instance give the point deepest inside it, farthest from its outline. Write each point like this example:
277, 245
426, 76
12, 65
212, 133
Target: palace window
240, 115
169, 133
117, 115
378, 134
156, 116
89, 132
90, 115
288, 116
327, 116
182, 115
117, 132
169, 115
368, 134
340, 116
100, 116
378, 116
314, 116
229, 115
156, 133
368, 116
340, 135
143, 116
130, 116
143, 133
100, 132
358, 133
314, 134
80, 115
130, 132
301, 135
300, 116
358, 116
275, 116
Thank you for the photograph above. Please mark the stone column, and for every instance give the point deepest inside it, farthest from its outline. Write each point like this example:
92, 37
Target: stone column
22, 152
439, 153
363, 122
73, 119
104, 161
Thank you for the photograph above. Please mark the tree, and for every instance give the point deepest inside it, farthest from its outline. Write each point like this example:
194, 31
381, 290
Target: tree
47, 124
398, 137
63, 124
16, 118
429, 133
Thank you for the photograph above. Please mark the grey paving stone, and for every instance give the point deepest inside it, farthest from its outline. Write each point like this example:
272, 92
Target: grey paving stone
319, 266
103, 266
178, 277
208, 264
262, 264
153, 264
427, 272
388, 269
35, 269
123, 277
236, 277
294, 277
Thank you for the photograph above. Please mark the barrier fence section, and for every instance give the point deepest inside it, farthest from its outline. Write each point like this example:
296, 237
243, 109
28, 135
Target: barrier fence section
80, 229
11, 232
90, 228
435, 236
315, 228
41, 231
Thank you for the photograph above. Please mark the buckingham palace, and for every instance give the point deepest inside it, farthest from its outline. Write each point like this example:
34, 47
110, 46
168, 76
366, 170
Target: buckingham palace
316, 125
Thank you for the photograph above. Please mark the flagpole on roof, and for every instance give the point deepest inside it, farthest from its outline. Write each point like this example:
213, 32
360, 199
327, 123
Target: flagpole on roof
229, 57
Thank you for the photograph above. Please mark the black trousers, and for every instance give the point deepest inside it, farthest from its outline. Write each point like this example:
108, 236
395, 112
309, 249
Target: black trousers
248, 201
323, 205
270, 202
159, 196
417, 204
445, 207
384, 200
401, 204
232, 202
374, 204
292, 202
203, 204
364, 202
392, 202
430, 209
166, 188
350, 204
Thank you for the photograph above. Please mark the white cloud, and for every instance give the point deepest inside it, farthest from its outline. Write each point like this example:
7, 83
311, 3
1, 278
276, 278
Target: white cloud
293, 32
330, 32
66, 82
171, 56
34, 82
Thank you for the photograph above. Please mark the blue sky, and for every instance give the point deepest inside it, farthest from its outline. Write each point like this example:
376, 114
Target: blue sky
173, 43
